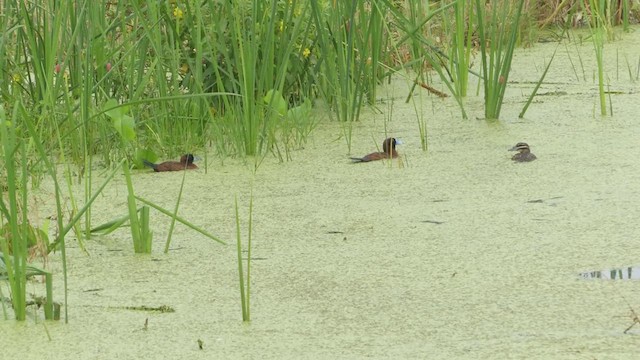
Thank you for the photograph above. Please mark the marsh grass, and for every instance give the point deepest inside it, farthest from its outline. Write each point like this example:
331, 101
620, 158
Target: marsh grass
107, 83
598, 29
181, 220
173, 53
296, 123
625, 7
260, 49
110, 226
538, 84
421, 119
15, 213
498, 34
14, 151
245, 285
341, 66
629, 70
632, 78
144, 230
48, 304
424, 53
461, 47
175, 213
609, 13
140, 232
573, 66
19, 235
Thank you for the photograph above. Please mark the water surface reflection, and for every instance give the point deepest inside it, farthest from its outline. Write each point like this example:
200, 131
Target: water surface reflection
628, 273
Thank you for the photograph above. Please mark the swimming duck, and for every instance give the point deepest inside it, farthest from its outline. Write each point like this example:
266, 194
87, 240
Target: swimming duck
186, 162
524, 153
388, 151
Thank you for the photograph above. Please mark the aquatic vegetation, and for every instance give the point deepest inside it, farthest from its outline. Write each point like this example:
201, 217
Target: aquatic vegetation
535, 89
245, 285
17, 279
140, 230
15, 213
37, 238
598, 31
461, 46
496, 48
98, 85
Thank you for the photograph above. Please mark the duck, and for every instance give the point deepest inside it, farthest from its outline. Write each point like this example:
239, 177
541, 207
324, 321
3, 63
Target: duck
186, 162
524, 153
388, 151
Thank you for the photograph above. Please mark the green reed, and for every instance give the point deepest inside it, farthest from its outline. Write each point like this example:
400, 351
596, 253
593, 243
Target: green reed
609, 13
117, 223
461, 46
632, 78
14, 134
140, 232
421, 118
625, 14
132, 52
15, 213
535, 89
423, 50
182, 52
245, 286
175, 213
181, 220
336, 43
498, 34
598, 28
261, 46
9, 272
295, 123
573, 66
350, 38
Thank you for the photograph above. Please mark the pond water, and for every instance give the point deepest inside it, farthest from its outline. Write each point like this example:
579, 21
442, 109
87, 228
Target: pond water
452, 253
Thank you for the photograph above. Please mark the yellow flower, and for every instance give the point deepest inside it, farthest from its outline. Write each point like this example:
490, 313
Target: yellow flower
281, 25
177, 12
17, 78
306, 52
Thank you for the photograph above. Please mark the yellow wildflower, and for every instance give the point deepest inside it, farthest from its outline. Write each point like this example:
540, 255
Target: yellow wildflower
306, 52
177, 13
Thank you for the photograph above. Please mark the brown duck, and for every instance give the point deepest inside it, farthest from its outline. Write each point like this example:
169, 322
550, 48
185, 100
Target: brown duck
524, 153
186, 162
388, 152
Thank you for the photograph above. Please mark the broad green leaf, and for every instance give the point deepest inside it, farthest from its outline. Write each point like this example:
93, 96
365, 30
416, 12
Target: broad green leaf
278, 104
